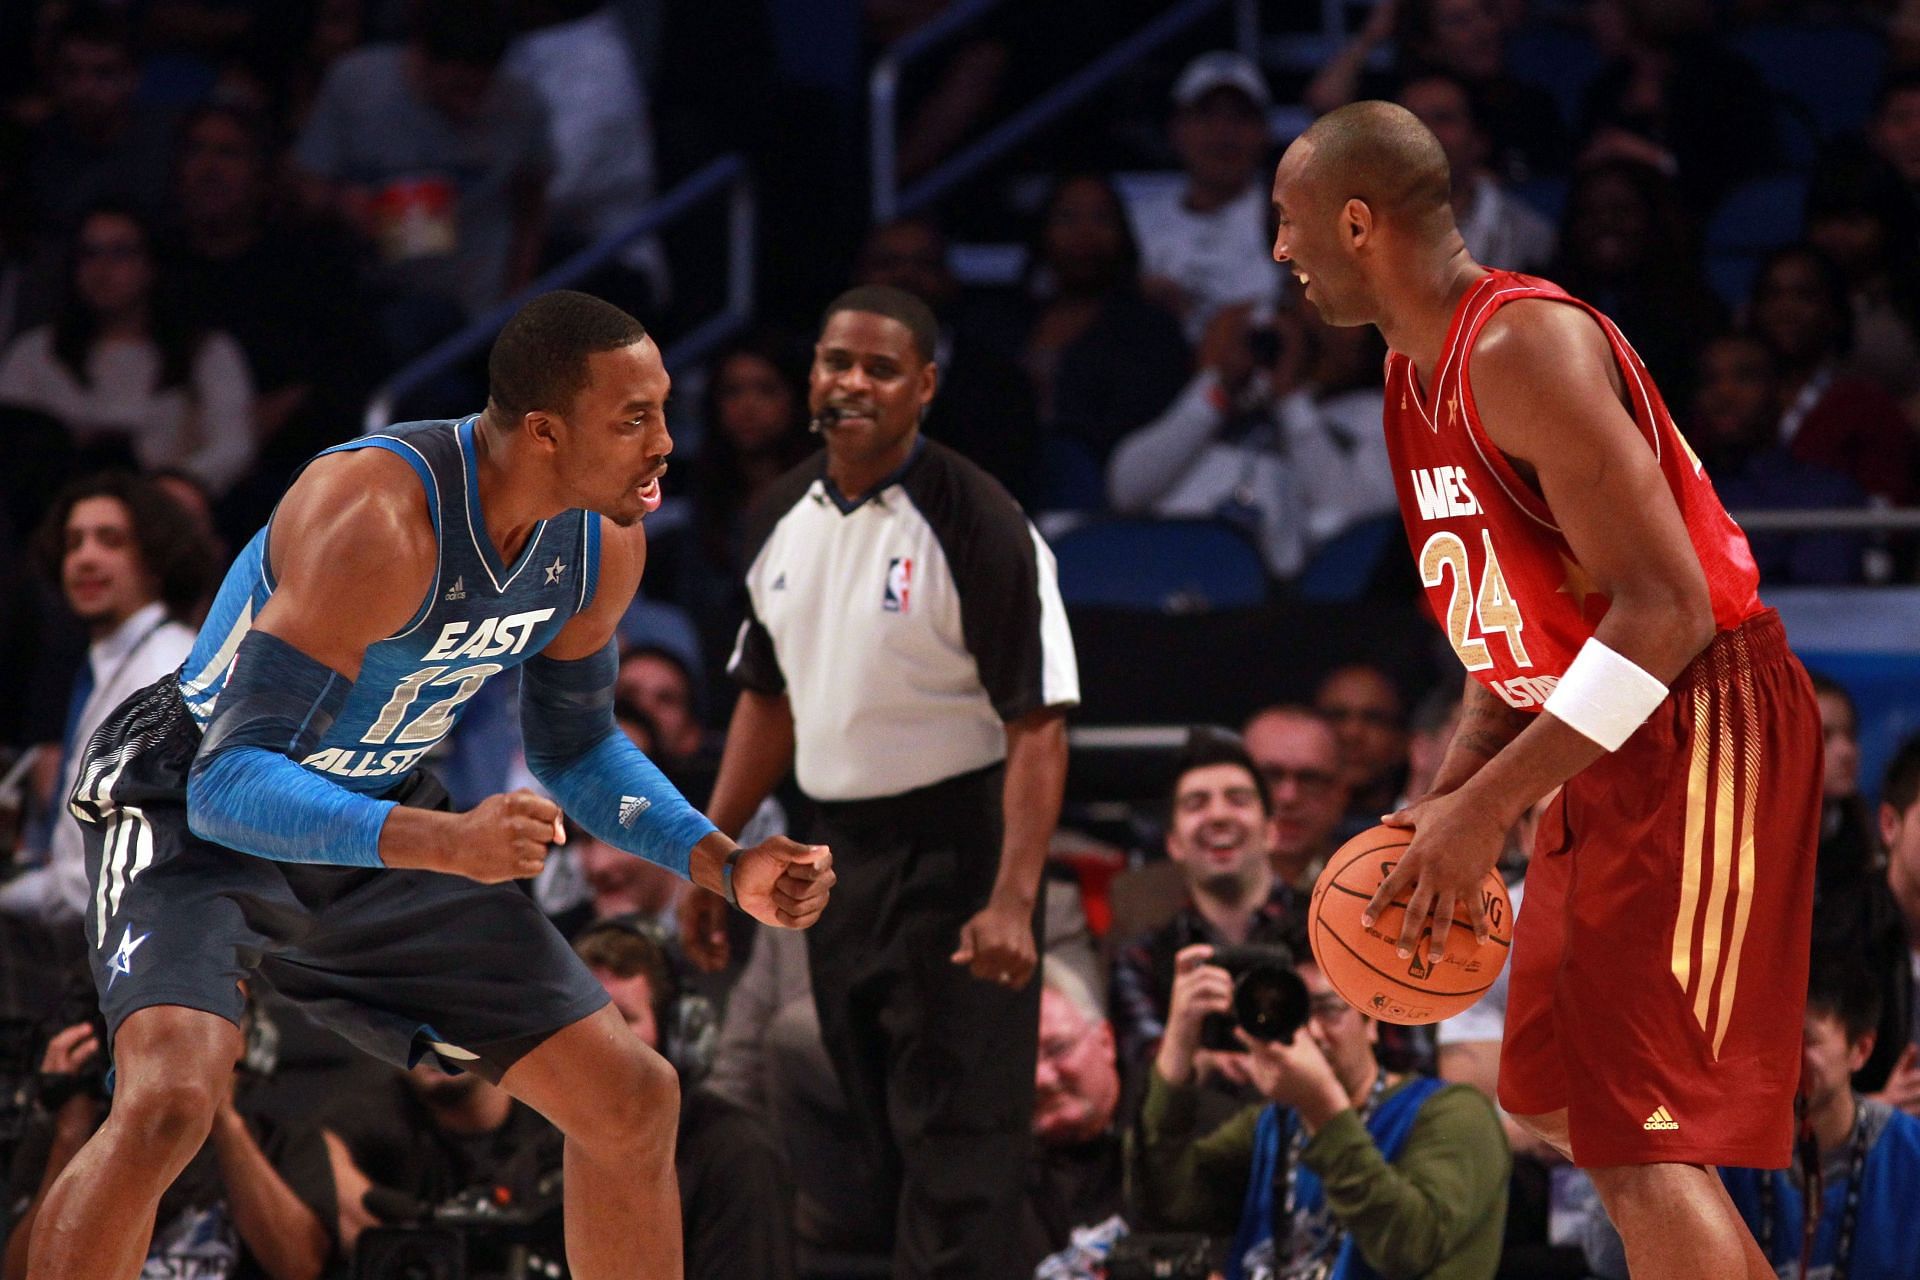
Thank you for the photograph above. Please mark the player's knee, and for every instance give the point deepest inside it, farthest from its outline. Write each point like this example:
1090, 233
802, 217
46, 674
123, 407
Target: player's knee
167, 1116
642, 1107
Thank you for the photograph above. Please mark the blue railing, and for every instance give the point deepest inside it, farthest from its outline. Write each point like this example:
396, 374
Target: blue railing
728, 174
890, 201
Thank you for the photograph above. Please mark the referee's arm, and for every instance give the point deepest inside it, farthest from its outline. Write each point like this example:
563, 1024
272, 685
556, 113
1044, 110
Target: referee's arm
998, 943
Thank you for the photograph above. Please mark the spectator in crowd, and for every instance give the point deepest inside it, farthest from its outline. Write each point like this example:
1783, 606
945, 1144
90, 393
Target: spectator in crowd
1678, 100
1429, 731
771, 1059
95, 145
1207, 243
754, 412
985, 408
1462, 39
1859, 215
123, 369
1499, 229
434, 1134
438, 162
1278, 434
1802, 308
1297, 757
1103, 359
284, 293
1735, 429
1361, 1167
1077, 1176
131, 566
1868, 1153
736, 1203
604, 164
257, 1200
1363, 704
1895, 128
656, 681
1626, 248
1900, 833
1854, 913
1221, 890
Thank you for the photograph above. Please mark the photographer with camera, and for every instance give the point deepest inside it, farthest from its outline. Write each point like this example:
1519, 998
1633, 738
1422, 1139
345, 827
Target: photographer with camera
1346, 1171
257, 1201
1278, 432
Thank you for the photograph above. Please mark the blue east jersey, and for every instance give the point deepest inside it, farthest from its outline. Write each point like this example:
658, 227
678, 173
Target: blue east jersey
480, 617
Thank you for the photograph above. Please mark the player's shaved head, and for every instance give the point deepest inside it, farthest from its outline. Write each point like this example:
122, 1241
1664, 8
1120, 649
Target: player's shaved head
1379, 153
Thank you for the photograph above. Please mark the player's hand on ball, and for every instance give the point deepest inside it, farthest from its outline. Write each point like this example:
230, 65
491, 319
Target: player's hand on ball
784, 883
703, 929
1455, 844
997, 944
506, 837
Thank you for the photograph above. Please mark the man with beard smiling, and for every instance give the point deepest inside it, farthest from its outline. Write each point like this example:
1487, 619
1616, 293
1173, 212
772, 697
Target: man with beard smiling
130, 564
906, 653
1220, 836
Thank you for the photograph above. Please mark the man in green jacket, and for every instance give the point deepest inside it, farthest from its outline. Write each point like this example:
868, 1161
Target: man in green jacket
1367, 1174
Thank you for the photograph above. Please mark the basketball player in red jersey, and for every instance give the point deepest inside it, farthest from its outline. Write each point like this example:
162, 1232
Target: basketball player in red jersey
1605, 608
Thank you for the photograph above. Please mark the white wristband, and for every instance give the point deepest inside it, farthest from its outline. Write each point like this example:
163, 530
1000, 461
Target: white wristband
1604, 696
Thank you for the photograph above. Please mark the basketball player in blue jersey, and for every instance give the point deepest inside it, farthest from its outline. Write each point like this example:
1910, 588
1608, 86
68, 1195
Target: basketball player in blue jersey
264, 811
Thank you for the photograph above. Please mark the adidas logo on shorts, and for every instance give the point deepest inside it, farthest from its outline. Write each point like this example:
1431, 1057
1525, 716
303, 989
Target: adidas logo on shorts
631, 807
1660, 1119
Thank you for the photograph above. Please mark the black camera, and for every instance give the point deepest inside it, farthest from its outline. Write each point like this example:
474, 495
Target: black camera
1161, 1257
1269, 999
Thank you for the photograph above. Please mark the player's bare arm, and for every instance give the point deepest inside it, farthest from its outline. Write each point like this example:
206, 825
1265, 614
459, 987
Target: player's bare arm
1486, 726
1550, 397
779, 881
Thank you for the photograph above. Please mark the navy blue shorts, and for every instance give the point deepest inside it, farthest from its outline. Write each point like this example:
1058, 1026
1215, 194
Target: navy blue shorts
402, 963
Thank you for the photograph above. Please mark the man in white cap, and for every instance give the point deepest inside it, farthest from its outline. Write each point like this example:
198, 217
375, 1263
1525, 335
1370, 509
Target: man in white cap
1198, 241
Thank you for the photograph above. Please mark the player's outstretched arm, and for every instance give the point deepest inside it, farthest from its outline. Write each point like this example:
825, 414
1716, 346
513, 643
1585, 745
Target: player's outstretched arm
610, 787
1547, 389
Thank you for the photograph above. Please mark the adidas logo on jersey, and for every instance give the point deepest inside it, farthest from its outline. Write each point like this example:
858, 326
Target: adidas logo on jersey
1660, 1119
631, 807
779, 583
458, 591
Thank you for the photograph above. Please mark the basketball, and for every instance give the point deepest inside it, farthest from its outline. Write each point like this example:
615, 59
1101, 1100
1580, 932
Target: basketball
1361, 963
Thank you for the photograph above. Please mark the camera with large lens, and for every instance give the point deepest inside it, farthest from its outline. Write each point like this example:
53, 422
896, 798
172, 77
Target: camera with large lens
1269, 999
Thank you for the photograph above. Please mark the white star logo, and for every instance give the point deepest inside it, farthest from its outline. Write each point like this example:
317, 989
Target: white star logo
554, 571
121, 961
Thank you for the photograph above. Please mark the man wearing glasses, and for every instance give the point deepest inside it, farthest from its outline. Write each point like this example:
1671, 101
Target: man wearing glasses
1298, 757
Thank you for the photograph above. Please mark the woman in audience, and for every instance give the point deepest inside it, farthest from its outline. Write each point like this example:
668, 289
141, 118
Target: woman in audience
119, 363
755, 414
1625, 247
1801, 307
1102, 358
1859, 215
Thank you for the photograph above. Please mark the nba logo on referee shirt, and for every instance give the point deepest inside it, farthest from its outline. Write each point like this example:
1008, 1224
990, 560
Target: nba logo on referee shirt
899, 585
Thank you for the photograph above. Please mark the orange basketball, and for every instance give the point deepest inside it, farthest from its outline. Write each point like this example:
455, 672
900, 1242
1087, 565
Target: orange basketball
1361, 963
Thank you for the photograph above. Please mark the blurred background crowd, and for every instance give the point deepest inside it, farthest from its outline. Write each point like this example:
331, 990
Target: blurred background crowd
235, 232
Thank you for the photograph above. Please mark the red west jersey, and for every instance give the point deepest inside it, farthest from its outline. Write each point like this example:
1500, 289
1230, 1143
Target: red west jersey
1500, 578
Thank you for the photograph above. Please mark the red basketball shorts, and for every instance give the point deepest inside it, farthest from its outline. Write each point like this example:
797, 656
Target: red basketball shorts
1660, 958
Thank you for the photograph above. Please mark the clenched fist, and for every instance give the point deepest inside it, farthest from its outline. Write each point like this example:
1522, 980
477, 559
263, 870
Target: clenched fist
504, 837
782, 882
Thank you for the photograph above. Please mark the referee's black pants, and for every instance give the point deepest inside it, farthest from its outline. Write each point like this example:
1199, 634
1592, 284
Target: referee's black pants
938, 1064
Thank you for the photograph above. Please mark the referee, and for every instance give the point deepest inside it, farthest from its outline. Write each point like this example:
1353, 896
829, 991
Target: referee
906, 652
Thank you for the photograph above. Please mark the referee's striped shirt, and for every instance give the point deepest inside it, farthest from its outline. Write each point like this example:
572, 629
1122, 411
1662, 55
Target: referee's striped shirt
906, 628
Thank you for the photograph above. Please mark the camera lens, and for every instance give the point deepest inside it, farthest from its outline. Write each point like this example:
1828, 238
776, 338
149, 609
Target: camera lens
1270, 1003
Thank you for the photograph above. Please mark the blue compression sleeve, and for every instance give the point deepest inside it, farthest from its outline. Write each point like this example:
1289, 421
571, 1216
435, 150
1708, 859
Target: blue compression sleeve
247, 789
601, 779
